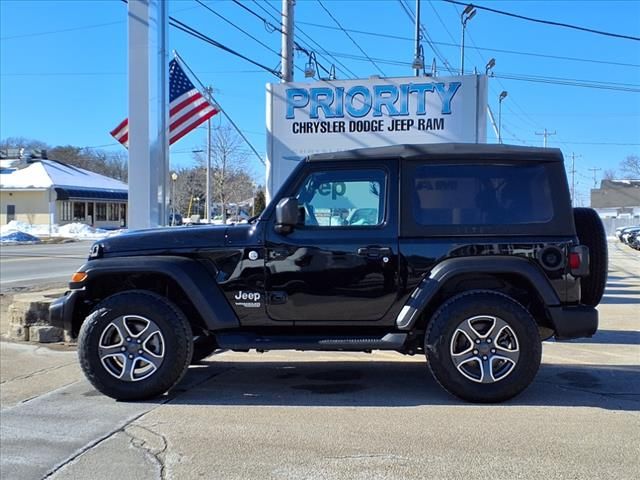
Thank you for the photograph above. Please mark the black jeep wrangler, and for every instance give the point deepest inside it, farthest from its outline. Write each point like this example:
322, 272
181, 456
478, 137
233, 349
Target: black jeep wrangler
470, 254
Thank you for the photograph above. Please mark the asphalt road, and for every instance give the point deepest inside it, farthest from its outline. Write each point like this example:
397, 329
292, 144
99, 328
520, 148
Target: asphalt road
40, 264
336, 415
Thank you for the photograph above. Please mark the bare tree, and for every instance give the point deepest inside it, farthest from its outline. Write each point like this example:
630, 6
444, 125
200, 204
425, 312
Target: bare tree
22, 142
230, 180
630, 167
609, 174
190, 183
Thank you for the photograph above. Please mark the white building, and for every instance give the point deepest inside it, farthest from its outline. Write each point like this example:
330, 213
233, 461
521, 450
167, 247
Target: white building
39, 191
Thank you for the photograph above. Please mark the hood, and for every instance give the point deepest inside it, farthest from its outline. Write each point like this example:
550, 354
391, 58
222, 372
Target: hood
166, 240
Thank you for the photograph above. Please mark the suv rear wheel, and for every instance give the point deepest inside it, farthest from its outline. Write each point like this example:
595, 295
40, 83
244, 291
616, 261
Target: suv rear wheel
135, 345
592, 234
483, 346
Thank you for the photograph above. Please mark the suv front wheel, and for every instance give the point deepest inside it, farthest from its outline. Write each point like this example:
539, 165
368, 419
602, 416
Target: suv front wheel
483, 346
135, 345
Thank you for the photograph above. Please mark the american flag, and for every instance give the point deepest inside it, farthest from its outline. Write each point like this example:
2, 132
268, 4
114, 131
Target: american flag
187, 108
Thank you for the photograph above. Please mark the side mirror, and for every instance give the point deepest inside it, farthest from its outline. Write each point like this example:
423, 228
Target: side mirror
286, 215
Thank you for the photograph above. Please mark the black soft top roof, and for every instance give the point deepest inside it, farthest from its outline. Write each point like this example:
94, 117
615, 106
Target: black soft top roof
469, 151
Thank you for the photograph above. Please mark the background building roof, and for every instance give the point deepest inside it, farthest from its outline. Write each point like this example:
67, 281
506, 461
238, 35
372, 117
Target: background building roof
50, 173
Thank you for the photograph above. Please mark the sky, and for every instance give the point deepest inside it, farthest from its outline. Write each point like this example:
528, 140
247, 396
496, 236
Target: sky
63, 67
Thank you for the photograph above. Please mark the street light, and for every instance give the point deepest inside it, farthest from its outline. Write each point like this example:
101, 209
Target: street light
502, 96
467, 14
310, 67
418, 61
490, 64
174, 177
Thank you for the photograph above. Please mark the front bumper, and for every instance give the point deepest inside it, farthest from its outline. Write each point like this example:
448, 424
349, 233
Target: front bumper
574, 322
61, 310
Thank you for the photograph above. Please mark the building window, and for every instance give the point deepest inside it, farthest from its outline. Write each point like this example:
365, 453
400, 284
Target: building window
66, 211
114, 212
101, 212
79, 211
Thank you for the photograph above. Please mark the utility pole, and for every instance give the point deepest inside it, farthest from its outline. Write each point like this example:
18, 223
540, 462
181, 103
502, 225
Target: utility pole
573, 177
595, 181
207, 209
417, 71
545, 134
287, 41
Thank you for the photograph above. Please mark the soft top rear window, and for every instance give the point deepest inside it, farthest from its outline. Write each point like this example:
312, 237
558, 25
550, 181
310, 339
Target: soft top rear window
472, 194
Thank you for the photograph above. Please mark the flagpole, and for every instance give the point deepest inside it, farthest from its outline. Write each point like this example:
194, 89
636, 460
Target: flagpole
213, 100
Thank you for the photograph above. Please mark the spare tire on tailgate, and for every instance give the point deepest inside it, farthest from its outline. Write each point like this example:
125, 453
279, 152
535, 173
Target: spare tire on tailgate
591, 233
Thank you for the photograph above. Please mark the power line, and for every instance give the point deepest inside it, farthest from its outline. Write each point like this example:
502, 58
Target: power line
625, 87
524, 117
545, 134
427, 37
195, 33
237, 27
548, 22
274, 28
222, 110
350, 37
50, 32
486, 49
567, 82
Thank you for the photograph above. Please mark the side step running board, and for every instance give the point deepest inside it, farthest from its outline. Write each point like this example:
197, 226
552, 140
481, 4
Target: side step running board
249, 341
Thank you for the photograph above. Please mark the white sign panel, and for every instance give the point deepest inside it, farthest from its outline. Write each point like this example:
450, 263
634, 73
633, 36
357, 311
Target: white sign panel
329, 116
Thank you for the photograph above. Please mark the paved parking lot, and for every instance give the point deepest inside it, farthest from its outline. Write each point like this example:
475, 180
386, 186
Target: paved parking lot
356, 416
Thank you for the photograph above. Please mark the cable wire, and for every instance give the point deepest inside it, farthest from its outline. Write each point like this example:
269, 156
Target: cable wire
195, 33
350, 37
486, 49
547, 22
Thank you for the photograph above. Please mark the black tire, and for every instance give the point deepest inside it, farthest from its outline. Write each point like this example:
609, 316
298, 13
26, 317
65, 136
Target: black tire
203, 346
592, 234
175, 334
443, 330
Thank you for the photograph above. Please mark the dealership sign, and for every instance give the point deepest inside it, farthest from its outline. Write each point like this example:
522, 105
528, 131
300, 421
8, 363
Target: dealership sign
328, 116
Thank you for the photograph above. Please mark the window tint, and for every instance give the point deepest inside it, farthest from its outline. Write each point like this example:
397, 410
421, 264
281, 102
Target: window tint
481, 195
343, 198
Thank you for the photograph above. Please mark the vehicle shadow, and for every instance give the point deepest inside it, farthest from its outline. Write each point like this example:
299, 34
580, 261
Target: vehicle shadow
617, 337
611, 300
394, 384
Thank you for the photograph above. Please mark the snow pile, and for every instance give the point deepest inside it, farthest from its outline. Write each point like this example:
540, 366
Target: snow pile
18, 237
78, 231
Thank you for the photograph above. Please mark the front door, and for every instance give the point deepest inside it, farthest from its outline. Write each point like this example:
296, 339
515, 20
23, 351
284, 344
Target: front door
340, 263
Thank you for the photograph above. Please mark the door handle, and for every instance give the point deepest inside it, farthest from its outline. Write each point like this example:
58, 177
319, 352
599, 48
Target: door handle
374, 252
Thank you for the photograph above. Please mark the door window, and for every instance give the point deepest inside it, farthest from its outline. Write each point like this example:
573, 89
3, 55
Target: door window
11, 213
343, 198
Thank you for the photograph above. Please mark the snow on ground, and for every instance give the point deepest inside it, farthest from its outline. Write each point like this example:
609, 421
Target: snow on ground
79, 231
18, 237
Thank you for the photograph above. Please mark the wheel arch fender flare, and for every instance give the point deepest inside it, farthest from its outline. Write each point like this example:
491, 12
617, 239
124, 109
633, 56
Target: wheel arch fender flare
196, 282
446, 270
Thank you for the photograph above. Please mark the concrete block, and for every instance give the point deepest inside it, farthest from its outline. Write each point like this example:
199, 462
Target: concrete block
45, 334
18, 332
29, 312
32, 308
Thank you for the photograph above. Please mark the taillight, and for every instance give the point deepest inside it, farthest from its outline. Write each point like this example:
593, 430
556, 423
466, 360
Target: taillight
579, 261
574, 260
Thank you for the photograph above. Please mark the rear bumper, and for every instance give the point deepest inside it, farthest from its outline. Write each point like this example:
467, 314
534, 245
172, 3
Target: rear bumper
61, 310
574, 322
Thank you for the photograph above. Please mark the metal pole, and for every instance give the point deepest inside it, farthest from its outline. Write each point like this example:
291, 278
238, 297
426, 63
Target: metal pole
148, 113
208, 204
417, 71
287, 40
462, 50
573, 178
500, 121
